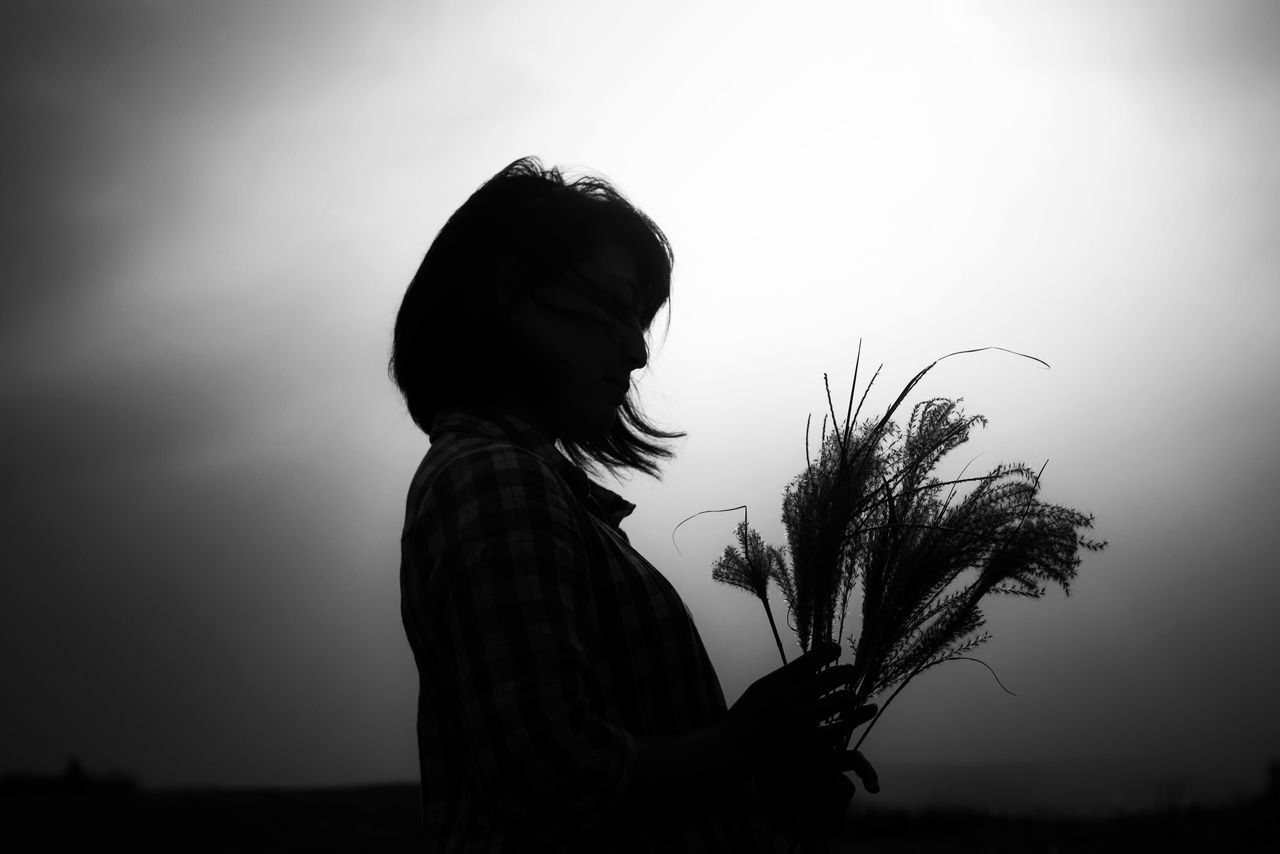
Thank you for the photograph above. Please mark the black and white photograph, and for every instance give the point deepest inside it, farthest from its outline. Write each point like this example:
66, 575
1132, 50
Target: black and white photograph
767, 427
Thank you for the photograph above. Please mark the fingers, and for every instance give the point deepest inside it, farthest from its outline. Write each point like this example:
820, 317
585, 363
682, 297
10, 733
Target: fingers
857, 763
833, 704
842, 791
830, 794
833, 677
816, 658
862, 714
842, 703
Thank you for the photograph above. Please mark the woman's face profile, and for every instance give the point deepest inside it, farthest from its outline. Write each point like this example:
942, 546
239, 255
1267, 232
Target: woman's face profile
586, 327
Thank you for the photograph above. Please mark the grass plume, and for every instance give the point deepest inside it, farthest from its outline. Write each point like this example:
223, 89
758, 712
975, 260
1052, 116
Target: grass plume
869, 515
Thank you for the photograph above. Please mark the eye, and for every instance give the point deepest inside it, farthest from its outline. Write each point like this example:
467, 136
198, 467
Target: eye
617, 307
613, 301
625, 312
609, 301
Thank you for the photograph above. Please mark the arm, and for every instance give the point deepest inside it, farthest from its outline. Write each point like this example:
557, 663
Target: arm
669, 770
754, 740
508, 583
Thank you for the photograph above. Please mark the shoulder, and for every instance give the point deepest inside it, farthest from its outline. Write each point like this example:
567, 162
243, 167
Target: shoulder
484, 514
479, 480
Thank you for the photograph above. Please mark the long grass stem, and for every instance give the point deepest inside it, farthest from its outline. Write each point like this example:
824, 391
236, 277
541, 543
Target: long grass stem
868, 511
774, 626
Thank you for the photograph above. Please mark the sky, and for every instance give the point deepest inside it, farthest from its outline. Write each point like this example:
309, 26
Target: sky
212, 210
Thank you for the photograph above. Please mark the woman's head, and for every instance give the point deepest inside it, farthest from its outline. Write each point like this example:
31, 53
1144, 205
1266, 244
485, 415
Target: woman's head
533, 299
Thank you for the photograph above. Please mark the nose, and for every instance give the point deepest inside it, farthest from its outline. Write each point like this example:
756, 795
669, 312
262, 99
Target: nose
635, 350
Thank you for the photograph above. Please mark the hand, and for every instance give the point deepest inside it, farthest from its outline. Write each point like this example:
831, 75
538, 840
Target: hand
799, 803
843, 759
804, 804
774, 725
821, 795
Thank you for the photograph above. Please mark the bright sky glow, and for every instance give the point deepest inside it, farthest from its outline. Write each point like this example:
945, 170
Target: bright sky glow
221, 207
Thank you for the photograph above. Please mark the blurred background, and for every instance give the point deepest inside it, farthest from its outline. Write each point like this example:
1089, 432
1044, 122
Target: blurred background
212, 210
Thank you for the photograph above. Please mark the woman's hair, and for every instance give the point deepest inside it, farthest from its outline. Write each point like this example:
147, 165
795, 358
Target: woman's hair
454, 343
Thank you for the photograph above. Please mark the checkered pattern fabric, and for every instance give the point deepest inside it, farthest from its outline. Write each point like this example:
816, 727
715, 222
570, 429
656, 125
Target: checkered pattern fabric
545, 646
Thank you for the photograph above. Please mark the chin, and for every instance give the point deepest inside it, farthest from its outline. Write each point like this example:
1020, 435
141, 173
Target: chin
591, 425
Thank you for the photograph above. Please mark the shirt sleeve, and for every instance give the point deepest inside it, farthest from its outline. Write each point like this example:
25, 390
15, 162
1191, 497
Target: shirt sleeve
509, 581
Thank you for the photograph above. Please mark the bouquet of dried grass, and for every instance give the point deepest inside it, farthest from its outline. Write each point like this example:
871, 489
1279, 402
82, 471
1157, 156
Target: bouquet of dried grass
869, 515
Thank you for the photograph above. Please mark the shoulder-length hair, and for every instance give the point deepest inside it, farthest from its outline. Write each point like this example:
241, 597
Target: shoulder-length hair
453, 343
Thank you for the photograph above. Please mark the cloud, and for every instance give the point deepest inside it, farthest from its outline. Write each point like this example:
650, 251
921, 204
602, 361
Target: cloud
212, 208
80, 96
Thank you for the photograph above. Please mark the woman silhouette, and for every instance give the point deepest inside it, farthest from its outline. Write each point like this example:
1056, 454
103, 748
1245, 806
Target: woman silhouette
566, 701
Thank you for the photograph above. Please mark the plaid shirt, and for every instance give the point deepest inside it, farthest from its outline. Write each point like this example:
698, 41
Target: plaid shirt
545, 646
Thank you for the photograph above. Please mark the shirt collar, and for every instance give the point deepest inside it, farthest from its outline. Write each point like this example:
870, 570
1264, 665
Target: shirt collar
608, 505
